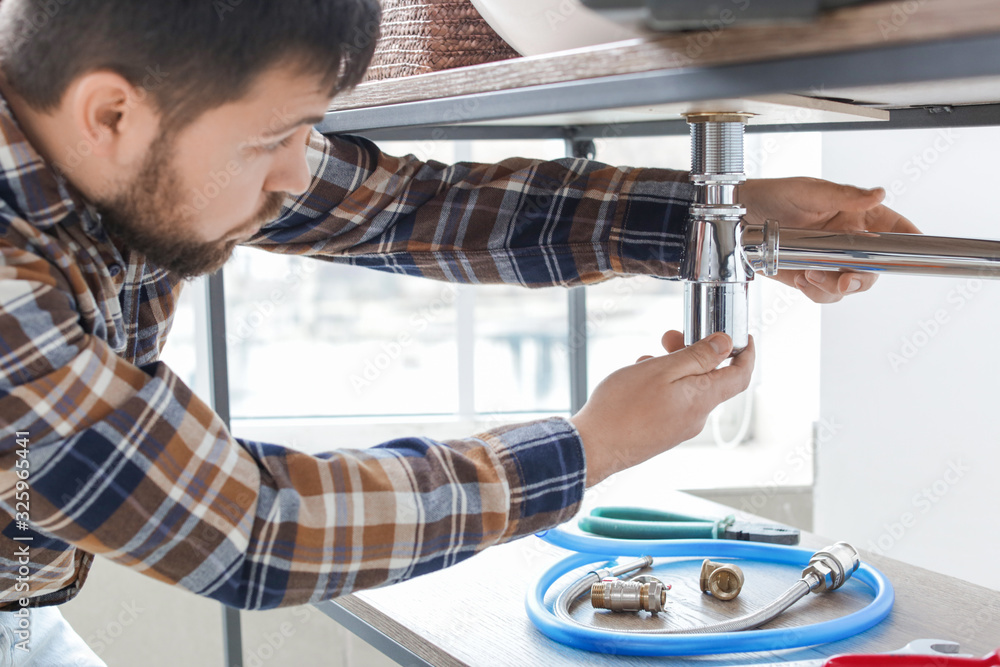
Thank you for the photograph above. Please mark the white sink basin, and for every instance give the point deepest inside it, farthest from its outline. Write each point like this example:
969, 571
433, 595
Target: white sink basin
543, 26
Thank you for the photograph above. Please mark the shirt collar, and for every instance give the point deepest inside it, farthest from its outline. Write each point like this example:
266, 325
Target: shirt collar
27, 182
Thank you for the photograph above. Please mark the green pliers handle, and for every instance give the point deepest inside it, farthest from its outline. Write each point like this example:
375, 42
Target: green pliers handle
638, 523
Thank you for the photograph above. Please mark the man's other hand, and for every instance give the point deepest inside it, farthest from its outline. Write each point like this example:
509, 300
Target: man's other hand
812, 203
645, 409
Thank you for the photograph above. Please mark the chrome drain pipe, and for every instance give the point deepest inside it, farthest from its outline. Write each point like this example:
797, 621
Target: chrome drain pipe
770, 247
723, 252
714, 269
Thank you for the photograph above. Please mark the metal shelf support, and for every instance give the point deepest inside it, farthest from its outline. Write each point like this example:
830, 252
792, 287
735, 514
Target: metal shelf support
232, 635
577, 312
898, 64
913, 118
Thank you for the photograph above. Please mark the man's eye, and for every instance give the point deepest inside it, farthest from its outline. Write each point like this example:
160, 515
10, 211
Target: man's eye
284, 143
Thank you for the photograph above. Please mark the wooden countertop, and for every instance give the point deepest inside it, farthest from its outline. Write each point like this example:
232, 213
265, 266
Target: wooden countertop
852, 28
473, 613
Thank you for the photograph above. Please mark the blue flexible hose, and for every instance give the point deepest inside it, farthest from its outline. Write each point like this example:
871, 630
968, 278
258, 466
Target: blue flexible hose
593, 549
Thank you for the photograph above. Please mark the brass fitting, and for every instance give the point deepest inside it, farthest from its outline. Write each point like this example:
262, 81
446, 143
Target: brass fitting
723, 581
617, 595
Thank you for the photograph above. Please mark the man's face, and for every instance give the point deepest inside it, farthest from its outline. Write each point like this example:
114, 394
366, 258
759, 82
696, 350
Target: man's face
199, 192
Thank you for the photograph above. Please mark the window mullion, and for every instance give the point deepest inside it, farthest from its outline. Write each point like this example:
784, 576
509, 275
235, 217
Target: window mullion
465, 324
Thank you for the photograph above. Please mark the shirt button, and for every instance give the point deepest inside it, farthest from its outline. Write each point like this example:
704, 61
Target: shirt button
114, 270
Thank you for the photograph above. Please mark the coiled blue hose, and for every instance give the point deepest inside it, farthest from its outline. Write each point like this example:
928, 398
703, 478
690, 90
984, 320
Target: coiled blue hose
593, 549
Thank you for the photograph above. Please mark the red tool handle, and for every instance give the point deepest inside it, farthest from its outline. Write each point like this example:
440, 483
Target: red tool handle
911, 660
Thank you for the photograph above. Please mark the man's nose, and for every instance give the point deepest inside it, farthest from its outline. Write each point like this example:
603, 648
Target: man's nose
290, 171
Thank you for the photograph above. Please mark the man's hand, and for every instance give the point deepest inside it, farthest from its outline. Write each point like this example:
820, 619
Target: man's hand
645, 409
811, 203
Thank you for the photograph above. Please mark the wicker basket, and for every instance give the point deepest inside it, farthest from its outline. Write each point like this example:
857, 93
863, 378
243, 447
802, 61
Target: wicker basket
431, 35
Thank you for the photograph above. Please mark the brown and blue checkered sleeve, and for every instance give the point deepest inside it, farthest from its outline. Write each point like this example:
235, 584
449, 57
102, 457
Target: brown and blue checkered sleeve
127, 463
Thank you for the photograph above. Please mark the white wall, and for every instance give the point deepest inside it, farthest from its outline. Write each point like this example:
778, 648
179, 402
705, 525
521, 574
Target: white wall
909, 371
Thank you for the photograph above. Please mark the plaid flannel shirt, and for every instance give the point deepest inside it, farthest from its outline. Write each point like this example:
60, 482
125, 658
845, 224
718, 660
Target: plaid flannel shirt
103, 450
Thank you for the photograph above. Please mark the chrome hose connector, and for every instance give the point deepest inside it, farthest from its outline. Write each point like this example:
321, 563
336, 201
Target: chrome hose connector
830, 568
617, 595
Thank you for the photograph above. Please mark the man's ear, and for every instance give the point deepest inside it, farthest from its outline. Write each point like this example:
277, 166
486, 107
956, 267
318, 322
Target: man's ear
112, 116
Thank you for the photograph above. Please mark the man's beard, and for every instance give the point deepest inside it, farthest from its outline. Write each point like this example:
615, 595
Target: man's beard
148, 216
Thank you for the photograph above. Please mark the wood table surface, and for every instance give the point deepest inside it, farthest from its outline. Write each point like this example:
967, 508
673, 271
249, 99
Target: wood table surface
473, 613
889, 23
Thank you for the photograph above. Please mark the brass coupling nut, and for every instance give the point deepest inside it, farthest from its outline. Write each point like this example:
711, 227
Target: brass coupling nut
723, 581
649, 594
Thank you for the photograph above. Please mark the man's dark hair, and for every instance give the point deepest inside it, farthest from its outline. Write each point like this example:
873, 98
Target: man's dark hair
189, 55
